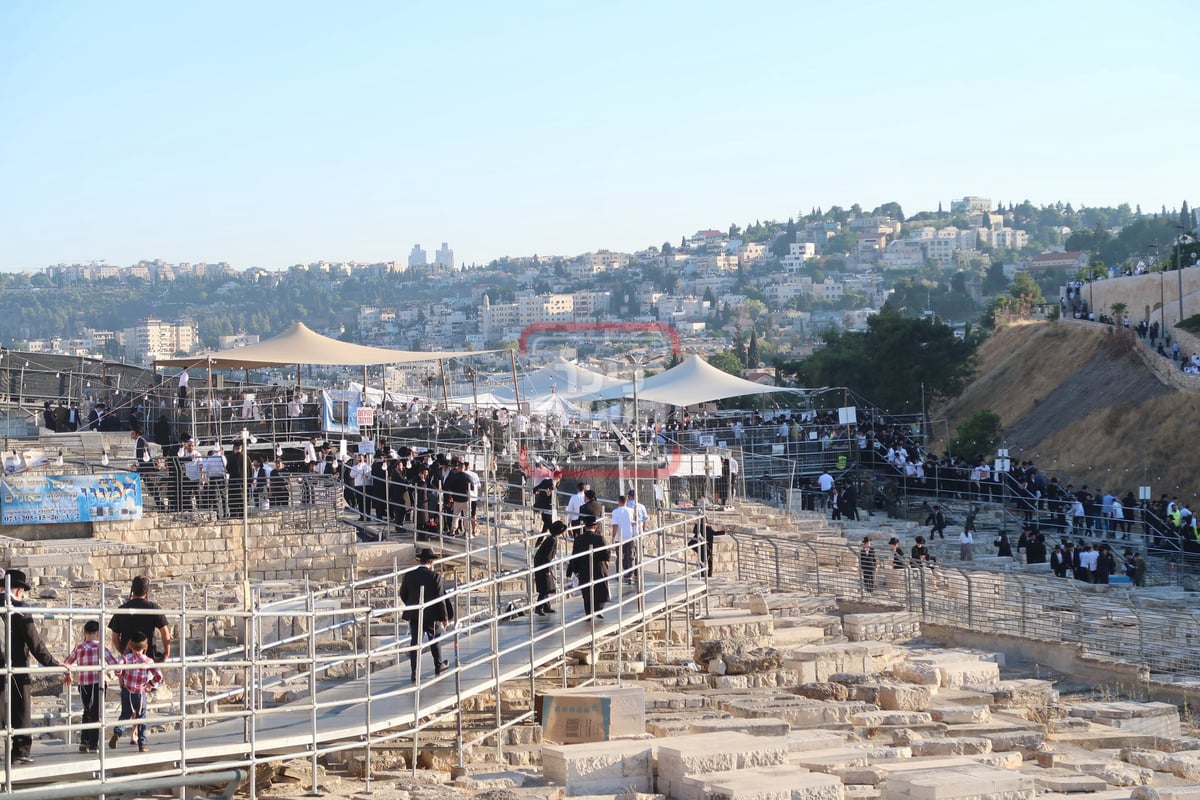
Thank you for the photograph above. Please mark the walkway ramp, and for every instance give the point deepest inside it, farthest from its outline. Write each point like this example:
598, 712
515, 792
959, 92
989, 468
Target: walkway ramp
484, 650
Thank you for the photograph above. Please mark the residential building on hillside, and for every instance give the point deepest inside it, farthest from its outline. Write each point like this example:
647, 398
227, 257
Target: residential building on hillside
780, 292
970, 205
706, 239
1070, 261
679, 308
152, 339
904, 254
798, 253
1010, 238
875, 226
751, 253
417, 257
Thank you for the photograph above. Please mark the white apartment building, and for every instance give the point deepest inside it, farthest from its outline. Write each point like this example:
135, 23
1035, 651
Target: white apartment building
781, 293
152, 338
798, 253
417, 257
678, 308
606, 260
1010, 238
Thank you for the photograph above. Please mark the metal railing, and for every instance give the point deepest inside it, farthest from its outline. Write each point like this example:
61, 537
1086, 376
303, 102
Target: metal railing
289, 648
1113, 622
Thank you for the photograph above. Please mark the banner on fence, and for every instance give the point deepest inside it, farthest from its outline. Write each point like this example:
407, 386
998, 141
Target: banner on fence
43, 499
339, 411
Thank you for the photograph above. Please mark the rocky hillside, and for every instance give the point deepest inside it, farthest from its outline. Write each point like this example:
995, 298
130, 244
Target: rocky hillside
1077, 401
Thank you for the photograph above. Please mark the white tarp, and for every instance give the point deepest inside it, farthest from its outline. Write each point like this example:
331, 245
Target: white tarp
301, 345
692, 382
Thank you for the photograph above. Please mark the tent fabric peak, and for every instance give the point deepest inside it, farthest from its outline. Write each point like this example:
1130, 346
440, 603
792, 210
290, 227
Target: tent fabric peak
299, 344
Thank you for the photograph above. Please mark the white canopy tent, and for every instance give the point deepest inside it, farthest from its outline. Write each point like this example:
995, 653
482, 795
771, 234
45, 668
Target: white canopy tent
692, 382
300, 344
555, 405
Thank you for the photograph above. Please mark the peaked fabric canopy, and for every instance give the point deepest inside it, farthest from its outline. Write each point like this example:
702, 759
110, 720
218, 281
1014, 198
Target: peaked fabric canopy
301, 345
694, 381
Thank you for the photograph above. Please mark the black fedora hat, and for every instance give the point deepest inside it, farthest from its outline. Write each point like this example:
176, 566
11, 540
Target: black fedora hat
425, 554
17, 580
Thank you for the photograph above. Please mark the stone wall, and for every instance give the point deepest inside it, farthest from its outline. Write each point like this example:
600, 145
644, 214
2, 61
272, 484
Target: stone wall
282, 545
1148, 296
1165, 369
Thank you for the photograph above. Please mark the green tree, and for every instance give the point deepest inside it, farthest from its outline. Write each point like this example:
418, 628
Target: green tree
752, 356
979, 435
727, 361
995, 282
1025, 290
889, 362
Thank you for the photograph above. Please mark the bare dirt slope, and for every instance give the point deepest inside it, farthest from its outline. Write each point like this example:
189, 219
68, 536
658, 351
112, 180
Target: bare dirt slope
1080, 403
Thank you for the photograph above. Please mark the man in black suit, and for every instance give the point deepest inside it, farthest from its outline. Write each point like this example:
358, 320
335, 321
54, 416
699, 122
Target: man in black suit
590, 557
26, 642
422, 589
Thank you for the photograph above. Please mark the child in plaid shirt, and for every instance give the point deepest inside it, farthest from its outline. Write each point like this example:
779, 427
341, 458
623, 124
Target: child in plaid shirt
135, 682
88, 654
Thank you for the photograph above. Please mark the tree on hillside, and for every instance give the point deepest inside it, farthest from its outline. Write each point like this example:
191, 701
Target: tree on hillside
889, 362
1025, 290
978, 436
995, 282
727, 361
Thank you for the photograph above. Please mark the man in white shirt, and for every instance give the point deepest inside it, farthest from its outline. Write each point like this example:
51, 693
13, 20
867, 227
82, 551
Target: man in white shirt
622, 529
360, 474
473, 494
825, 483
630, 525
310, 451
573, 505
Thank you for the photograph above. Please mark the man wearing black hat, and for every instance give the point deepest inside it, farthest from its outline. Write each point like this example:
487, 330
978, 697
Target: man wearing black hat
123, 626
429, 611
543, 573
26, 641
590, 557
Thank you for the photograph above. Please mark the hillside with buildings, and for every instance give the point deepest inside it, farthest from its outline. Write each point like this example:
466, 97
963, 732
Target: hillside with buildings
1078, 400
776, 285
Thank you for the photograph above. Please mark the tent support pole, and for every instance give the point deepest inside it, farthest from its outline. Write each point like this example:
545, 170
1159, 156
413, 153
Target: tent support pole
445, 388
363, 399
512, 356
210, 399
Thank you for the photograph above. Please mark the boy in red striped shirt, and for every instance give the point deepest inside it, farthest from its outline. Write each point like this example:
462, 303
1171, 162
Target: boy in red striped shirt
90, 653
135, 682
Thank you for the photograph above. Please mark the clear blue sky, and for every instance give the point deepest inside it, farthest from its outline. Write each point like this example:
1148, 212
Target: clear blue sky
272, 133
